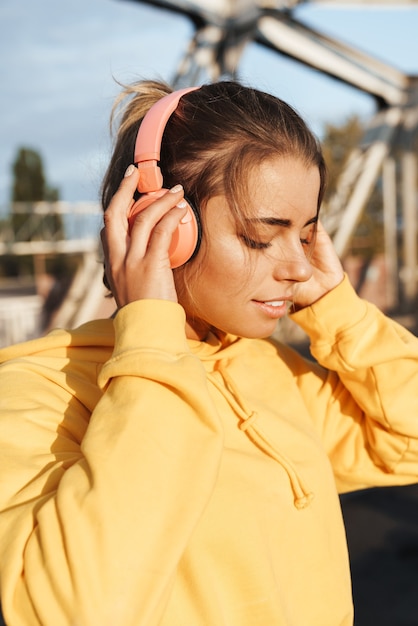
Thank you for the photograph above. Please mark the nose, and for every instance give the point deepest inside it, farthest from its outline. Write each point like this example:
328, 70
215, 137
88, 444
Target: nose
292, 266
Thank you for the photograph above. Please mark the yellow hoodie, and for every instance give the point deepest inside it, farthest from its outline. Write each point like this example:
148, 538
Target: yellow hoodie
149, 480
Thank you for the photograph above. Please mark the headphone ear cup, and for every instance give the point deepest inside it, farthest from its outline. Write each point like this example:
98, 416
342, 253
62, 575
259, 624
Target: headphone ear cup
142, 203
187, 236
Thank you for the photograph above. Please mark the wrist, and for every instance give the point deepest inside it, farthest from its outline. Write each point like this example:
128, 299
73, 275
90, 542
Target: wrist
336, 310
307, 295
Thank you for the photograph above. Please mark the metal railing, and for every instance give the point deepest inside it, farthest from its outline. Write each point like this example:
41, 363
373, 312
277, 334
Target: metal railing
46, 230
49, 228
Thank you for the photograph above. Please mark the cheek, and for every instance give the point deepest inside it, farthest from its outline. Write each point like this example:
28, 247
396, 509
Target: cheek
227, 266
220, 272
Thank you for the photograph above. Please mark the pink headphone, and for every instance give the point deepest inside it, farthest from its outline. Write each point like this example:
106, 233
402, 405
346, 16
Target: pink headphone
186, 238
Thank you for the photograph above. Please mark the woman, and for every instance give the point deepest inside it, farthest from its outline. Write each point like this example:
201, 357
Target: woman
174, 466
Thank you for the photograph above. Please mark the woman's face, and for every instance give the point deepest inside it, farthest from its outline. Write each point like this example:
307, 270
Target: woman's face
246, 283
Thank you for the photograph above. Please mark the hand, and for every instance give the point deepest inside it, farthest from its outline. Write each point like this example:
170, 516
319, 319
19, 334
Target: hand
327, 271
137, 263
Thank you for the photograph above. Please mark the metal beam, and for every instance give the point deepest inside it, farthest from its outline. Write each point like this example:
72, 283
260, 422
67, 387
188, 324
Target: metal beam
68, 246
360, 177
348, 3
284, 34
224, 26
227, 9
219, 12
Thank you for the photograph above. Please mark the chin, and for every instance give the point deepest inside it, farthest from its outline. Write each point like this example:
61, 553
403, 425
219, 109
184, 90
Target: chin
256, 332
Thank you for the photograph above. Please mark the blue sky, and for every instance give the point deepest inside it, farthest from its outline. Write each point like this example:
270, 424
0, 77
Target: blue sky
58, 62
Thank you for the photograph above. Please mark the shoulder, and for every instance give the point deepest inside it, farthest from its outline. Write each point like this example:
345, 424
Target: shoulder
97, 334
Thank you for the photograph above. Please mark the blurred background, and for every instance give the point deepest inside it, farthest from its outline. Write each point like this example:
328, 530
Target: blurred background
349, 67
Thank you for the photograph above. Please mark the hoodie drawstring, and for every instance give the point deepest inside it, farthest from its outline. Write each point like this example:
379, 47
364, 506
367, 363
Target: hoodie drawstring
302, 495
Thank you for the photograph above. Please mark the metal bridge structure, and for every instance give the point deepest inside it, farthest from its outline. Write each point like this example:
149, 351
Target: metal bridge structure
29, 231
386, 155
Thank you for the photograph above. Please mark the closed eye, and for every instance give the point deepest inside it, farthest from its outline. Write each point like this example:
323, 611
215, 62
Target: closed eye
308, 241
255, 245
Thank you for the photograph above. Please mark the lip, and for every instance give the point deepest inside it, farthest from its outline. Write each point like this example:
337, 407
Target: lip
274, 311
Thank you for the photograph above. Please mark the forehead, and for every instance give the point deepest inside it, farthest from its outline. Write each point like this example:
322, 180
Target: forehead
283, 187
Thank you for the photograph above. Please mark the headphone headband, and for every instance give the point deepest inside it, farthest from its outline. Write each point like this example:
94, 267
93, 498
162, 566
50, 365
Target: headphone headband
149, 137
186, 238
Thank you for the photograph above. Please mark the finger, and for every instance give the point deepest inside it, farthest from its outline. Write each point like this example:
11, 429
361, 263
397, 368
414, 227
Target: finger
150, 208
123, 197
162, 234
152, 215
115, 216
106, 258
321, 232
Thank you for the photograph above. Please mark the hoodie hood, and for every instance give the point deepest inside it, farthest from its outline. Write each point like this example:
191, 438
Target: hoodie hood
217, 346
215, 353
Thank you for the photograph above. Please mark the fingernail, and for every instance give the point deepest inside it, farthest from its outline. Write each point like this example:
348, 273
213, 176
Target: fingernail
186, 218
182, 204
176, 188
129, 170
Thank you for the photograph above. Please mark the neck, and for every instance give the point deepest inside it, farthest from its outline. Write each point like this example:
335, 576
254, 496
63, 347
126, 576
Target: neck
197, 330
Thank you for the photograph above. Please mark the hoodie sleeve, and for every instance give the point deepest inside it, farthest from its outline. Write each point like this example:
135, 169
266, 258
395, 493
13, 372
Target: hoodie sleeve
365, 403
93, 532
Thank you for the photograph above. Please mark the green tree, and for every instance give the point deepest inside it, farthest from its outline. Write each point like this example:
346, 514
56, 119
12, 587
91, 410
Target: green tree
30, 186
29, 183
29, 178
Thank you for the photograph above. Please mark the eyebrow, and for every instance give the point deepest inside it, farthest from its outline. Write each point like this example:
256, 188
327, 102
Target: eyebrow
278, 221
